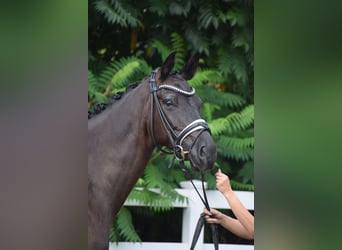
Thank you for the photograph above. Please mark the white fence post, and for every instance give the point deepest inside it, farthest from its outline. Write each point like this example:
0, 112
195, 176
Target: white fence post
191, 213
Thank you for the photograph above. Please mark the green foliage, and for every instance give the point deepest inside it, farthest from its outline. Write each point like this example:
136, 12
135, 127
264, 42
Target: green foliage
123, 227
115, 77
222, 31
233, 122
177, 45
118, 12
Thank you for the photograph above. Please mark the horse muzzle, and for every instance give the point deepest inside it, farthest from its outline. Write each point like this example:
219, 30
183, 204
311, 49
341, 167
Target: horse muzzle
202, 151
203, 154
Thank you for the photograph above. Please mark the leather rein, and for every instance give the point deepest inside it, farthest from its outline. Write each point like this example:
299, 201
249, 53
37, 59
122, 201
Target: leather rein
178, 150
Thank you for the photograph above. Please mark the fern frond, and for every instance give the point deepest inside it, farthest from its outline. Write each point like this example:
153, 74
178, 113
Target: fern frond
125, 226
242, 38
246, 173
239, 143
224, 99
179, 9
241, 186
159, 7
205, 75
114, 233
208, 15
237, 16
154, 178
117, 12
233, 122
239, 67
178, 45
224, 62
207, 111
118, 73
198, 40
235, 148
162, 48
92, 84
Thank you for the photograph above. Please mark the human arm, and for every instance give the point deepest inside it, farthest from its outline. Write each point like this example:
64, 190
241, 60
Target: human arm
244, 217
229, 223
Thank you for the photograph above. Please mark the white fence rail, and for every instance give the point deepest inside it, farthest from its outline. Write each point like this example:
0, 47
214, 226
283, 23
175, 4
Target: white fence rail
191, 211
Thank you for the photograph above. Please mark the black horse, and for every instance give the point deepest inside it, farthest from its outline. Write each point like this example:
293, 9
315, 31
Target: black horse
162, 111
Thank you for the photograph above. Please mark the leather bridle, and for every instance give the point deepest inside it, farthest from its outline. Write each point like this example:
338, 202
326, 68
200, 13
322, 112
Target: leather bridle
175, 140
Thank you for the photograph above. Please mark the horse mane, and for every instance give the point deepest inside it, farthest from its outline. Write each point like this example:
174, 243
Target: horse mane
99, 107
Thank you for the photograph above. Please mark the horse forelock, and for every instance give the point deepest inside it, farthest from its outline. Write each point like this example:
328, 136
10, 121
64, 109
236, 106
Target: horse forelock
177, 80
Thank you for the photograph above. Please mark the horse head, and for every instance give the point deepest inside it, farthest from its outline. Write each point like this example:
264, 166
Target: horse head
179, 125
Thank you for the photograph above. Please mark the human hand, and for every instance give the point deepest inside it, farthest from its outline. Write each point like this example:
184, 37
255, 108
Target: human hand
213, 216
222, 182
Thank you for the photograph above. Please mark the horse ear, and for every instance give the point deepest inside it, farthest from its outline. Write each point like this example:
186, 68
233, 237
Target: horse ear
166, 67
190, 67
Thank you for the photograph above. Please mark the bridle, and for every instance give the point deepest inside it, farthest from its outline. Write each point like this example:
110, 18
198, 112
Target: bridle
175, 140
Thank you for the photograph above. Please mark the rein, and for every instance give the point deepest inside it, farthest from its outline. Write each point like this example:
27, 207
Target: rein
178, 150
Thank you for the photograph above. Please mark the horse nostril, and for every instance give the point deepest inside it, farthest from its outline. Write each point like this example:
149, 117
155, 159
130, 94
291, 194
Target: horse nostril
203, 151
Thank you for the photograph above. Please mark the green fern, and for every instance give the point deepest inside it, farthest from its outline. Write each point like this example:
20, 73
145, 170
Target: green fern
179, 47
246, 173
92, 83
161, 48
233, 122
222, 31
242, 38
118, 12
158, 7
239, 66
233, 152
224, 61
125, 226
198, 40
115, 77
118, 73
241, 186
207, 111
237, 16
154, 178
209, 15
223, 99
179, 8
206, 75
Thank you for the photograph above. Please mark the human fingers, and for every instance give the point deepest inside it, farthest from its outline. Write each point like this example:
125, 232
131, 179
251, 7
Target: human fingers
211, 220
218, 172
207, 212
213, 211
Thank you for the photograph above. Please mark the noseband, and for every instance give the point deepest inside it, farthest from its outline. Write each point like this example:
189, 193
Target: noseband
176, 140
178, 151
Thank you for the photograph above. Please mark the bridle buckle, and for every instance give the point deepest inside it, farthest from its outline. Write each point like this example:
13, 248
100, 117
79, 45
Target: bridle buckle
180, 153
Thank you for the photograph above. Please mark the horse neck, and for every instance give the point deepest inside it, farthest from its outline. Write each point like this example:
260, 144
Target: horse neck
121, 144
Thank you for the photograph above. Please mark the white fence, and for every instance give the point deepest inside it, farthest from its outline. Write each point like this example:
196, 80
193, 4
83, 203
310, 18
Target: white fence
191, 211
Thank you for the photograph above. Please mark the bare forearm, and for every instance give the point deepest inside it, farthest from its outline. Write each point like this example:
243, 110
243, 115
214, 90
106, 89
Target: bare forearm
235, 227
244, 217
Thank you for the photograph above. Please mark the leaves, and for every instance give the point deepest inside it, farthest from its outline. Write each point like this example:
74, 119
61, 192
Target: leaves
116, 12
126, 228
222, 31
233, 122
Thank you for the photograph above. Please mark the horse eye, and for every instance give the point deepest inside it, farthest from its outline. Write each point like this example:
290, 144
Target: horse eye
168, 102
